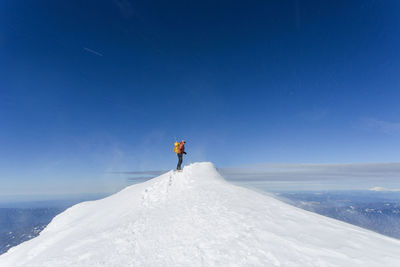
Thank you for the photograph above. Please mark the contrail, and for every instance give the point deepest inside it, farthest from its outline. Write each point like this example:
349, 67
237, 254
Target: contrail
93, 52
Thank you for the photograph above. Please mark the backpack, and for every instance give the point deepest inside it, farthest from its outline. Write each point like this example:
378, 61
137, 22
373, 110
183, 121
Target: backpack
176, 147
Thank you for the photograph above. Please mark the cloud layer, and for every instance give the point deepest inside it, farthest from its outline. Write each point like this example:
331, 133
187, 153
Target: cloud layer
318, 176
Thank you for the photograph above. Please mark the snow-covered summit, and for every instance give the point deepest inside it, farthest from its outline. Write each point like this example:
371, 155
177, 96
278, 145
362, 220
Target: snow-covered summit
196, 218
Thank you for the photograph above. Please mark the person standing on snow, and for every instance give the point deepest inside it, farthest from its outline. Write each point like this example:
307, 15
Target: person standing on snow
180, 152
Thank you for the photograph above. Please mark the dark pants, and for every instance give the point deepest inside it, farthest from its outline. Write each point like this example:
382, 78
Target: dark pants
178, 167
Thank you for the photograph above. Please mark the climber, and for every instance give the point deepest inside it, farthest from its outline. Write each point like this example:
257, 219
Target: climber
179, 149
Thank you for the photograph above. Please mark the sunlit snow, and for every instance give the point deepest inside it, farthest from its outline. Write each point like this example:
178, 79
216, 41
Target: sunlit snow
196, 218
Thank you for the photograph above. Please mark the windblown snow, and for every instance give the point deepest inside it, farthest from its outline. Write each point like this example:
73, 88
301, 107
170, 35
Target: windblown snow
196, 218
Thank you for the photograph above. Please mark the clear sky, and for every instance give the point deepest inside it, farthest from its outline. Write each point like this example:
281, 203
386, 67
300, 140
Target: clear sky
88, 87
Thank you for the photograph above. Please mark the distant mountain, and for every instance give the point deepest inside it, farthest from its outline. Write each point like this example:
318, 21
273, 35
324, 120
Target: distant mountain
21, 224
379, 212
196, 218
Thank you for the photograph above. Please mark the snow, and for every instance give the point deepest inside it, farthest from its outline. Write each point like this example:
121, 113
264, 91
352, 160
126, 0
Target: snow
196, 218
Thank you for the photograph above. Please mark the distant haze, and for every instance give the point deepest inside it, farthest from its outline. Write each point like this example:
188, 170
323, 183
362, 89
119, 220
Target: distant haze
358, 176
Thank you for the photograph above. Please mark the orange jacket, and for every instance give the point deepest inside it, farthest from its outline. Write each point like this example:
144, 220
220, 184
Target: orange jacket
181, 149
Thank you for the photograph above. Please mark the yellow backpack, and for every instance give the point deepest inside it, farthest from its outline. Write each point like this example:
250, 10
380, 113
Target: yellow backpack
176, 147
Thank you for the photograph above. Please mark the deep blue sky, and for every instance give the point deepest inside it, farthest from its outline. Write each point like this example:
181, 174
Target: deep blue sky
93, 86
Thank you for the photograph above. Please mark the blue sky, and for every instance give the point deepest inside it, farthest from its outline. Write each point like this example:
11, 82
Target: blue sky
88, 87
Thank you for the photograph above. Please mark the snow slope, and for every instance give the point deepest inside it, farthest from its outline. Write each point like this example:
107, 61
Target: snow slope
196, 218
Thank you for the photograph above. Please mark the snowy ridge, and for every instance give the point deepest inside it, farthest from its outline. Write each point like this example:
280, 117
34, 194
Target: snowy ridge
196, 218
